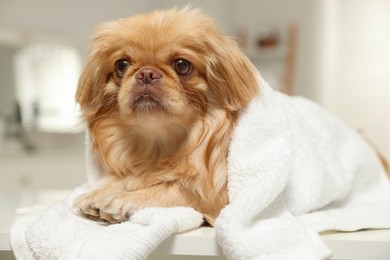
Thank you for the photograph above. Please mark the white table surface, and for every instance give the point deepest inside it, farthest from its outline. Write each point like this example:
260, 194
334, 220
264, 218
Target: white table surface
368, 244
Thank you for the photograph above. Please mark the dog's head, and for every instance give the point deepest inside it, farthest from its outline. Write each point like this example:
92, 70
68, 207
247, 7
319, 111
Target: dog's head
166, 64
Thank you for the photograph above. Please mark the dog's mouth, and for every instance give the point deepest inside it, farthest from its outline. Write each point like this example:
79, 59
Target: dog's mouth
146, 101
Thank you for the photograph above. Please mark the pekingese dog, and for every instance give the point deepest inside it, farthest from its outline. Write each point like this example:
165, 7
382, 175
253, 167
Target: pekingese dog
160, 94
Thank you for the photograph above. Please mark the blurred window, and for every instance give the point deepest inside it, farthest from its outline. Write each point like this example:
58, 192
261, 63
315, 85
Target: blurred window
46, 81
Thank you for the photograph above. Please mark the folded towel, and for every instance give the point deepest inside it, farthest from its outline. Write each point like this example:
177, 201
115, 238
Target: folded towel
56, 232
134, 239
293, 171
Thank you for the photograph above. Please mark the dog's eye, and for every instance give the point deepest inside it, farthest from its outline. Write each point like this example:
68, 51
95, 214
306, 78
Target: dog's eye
121, 66
182, 67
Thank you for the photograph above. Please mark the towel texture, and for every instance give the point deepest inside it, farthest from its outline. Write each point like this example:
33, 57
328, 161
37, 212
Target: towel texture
293, 170
57, 233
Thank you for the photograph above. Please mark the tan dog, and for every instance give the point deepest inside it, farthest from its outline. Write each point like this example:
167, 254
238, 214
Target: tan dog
160, 94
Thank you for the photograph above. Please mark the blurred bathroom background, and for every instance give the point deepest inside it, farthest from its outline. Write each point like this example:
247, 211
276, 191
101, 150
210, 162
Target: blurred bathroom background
335, 52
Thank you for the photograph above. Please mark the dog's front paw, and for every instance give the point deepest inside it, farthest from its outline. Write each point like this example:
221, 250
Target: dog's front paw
113, 207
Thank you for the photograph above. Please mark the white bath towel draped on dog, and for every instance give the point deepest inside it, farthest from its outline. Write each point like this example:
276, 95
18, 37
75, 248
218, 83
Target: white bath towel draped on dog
293, 171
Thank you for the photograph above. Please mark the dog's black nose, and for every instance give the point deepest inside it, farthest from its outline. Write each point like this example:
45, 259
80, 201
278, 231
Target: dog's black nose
147, 75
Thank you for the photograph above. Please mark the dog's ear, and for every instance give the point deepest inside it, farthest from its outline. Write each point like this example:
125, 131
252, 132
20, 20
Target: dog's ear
89, 84
90, 91
231, 76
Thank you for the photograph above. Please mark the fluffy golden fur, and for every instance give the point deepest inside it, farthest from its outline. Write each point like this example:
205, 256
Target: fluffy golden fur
160, 95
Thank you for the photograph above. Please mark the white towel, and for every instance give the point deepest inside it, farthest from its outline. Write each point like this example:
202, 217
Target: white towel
293, 171
56, 232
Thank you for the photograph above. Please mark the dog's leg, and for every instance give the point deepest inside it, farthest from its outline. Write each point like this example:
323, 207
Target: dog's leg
114, 203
